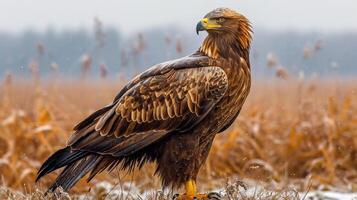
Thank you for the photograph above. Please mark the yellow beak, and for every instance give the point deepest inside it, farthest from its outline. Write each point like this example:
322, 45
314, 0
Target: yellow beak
206, 24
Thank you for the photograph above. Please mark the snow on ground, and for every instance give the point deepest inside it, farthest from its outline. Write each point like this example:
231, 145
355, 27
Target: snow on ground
128, 189
324, 195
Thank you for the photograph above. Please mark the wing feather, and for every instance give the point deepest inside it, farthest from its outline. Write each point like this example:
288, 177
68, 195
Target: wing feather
170, 99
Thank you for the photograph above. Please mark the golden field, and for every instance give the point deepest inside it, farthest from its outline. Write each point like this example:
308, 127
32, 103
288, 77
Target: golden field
296, 134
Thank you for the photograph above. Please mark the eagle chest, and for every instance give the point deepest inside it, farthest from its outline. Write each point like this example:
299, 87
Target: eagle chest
231, 103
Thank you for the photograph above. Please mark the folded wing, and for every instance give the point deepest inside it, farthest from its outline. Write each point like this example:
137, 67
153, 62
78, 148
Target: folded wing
153, 107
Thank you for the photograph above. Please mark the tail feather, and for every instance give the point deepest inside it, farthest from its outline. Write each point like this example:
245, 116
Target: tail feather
74, 172
78, 163
103, 164
59, 159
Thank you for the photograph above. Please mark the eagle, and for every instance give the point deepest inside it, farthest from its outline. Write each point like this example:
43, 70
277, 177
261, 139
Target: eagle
168, 115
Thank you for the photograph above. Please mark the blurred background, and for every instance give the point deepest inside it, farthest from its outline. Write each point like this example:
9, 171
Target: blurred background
311, 38
297, 133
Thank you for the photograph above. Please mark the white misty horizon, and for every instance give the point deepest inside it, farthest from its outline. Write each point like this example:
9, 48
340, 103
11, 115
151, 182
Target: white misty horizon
134, 15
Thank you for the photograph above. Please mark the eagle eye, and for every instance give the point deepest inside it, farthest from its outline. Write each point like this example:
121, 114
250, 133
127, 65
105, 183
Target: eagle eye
220, 20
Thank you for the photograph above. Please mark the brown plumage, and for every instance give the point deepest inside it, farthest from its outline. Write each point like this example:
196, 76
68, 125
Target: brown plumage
169, 114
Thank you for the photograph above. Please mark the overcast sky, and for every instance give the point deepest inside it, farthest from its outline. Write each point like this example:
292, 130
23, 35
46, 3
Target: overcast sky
134, 15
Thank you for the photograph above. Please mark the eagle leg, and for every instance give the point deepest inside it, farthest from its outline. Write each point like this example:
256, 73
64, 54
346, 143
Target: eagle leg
191, 193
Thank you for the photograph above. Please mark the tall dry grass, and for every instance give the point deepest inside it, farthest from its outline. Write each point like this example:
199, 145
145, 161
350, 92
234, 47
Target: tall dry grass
302, 134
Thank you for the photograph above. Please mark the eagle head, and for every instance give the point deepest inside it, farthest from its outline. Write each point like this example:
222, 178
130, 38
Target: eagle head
227, 25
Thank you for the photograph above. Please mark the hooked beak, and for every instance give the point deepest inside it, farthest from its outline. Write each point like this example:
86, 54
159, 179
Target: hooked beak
205, 24
199, 27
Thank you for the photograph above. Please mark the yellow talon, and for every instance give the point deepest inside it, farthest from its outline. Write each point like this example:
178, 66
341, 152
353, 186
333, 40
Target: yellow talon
191, 193
190, 187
